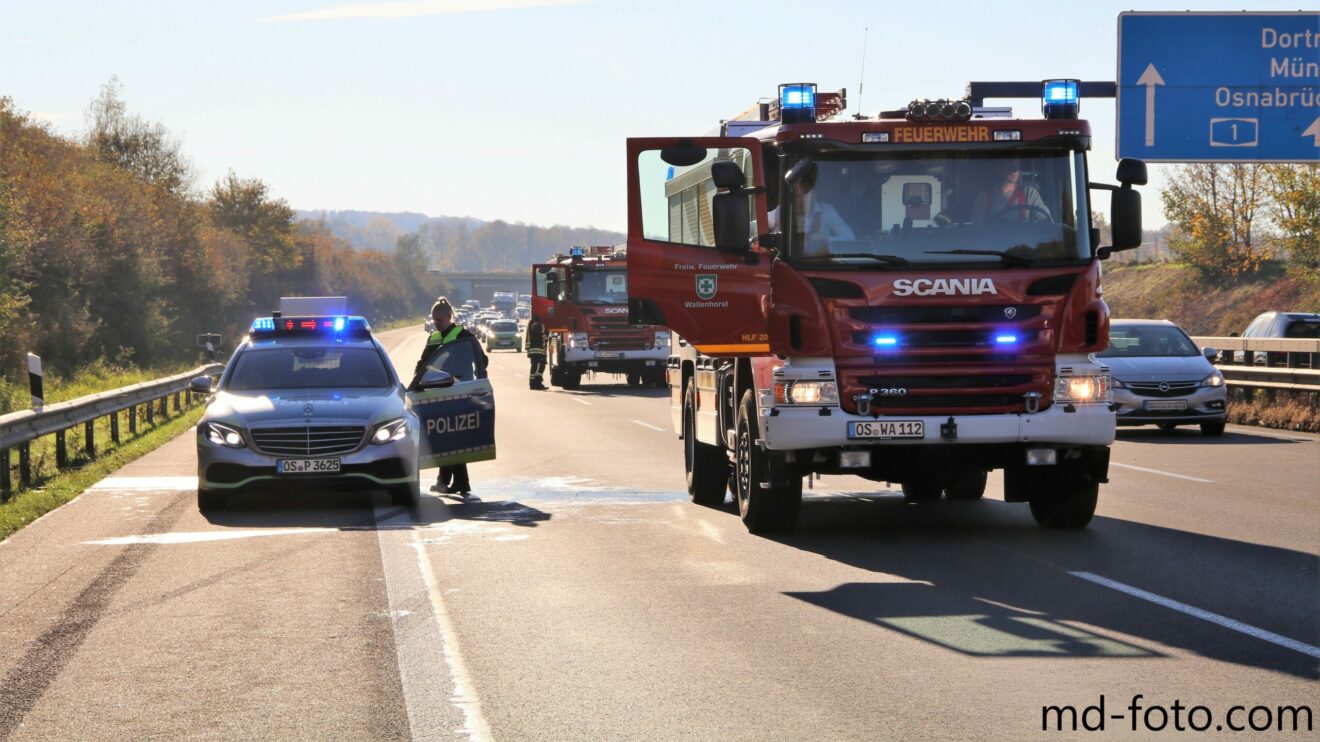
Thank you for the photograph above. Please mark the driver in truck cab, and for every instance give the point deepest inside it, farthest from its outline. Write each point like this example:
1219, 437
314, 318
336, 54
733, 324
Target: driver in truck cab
1010, 199
819, 218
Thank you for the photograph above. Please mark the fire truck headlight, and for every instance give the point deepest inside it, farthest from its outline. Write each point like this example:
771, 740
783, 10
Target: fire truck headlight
806, 393
1088, 388
577, 340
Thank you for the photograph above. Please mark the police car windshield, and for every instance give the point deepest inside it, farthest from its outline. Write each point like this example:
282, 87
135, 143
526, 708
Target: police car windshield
602, 287
917, 205
1148, 341
308, 368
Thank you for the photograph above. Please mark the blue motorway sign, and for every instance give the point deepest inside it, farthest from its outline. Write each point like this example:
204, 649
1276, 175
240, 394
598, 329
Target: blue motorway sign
1219, 87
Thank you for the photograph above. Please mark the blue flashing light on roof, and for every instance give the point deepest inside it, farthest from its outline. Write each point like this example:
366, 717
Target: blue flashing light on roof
339, 324
576, 252
797, 103
263, 324
1060, 99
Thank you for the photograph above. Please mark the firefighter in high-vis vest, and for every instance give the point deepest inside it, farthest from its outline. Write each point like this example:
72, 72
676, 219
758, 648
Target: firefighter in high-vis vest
453, 479
535, 343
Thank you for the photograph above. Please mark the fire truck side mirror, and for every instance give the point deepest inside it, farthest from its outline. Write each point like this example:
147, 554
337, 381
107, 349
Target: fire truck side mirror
1131, 171
1125, 211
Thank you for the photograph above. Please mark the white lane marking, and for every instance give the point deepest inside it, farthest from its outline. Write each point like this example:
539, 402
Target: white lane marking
1162, 473
580, 400
1204, 615
198, 537
437, 689
650, 426
140, 484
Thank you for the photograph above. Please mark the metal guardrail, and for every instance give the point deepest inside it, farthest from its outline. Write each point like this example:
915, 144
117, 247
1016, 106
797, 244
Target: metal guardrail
1267, 363
19, 429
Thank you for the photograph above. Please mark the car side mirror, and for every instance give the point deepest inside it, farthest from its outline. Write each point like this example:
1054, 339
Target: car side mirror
200, 385
433, 379
1210, 354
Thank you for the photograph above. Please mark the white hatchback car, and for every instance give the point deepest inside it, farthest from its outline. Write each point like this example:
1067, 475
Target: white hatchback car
1161, 378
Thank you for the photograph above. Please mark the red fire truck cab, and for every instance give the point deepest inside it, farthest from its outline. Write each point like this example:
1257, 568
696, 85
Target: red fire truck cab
912, 297
582, 300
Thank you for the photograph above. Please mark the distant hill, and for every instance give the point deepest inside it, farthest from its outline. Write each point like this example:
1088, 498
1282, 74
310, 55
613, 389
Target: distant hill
458, 243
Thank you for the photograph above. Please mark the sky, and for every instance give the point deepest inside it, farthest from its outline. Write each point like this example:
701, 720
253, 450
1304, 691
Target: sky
518, 109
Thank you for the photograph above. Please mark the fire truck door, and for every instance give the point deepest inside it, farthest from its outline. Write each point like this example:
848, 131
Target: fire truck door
715, 297
455, 405
548, 283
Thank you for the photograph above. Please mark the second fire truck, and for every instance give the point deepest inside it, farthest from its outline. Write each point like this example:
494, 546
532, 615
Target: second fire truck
582, 300
912, 297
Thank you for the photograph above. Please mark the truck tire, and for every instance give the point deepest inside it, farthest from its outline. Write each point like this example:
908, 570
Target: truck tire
765, 506
1212, 428
572, 379
968, 485
406, 495
707, 466
657, 380
210, 500
925, 489
634, 379
1067, 506
556, 376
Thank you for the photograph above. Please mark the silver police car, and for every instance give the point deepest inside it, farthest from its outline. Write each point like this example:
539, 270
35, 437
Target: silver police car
307, 403
1160, 378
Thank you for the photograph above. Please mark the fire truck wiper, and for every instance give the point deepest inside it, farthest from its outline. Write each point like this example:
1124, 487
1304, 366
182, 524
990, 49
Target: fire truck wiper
889, 259
1008, 257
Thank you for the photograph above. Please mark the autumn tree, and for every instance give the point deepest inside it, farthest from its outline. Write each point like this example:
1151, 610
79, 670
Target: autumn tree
143, 148
1216, 208
1295, 210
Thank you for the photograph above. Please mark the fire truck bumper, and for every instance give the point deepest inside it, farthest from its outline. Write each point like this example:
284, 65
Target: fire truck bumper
618, 362
794, 428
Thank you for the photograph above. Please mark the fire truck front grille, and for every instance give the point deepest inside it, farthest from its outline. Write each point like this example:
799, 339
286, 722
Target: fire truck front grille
915, 390
960, 338
989, 381
923, 315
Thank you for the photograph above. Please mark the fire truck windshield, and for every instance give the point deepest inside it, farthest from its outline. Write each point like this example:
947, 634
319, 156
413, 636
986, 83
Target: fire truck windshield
602, 287
933, 207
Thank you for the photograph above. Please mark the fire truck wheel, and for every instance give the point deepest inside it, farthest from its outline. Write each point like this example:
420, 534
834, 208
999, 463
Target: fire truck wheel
1066, 507
634, 379
764, 509
968, 485
659, 381
572, 379
707, 466
209, 500
556, 376
922, 490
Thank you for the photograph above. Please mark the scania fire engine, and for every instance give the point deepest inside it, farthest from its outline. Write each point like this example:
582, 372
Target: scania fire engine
582, 300
912, 297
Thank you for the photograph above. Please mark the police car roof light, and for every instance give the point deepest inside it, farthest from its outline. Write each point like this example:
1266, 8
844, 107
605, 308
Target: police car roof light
1060, 99
278, 326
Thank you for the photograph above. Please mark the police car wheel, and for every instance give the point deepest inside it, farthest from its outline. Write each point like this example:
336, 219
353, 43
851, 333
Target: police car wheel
707, 466
966, 486
770, 508
407, 495
209, 500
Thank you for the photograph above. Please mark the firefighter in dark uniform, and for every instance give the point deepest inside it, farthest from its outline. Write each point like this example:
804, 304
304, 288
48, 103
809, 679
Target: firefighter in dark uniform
453, 479
535, 343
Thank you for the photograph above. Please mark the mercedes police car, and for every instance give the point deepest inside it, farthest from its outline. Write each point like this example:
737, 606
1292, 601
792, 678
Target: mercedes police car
307, 403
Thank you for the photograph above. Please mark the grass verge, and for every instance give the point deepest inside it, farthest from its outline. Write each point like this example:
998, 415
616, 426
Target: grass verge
52, 489
1275, 409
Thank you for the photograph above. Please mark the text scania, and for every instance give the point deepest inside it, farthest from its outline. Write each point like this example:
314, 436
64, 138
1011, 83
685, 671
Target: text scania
943, 286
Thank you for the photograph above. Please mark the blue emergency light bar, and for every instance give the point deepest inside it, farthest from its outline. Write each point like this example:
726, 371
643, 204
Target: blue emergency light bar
576, 252
797, 103
325, 326
1060, 99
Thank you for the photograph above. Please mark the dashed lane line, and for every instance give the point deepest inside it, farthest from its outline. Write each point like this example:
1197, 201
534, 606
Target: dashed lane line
580, 400
1204, 615
649, 426
1162, 473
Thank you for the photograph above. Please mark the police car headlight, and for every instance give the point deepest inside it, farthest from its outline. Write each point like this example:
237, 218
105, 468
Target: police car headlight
223, 435
394, 430
806, 393
1085, 388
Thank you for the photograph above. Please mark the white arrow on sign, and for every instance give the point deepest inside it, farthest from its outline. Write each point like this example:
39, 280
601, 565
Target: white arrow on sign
1313, 131
1150, 78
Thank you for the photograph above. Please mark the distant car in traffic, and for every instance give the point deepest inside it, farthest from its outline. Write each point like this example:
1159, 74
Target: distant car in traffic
1277, 325
503, 333
1161, 378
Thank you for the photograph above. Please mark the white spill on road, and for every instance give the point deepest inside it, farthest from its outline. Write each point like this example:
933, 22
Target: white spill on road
198, 537
146, 484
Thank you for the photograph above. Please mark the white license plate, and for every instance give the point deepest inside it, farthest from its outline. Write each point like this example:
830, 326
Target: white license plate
610, 354
1165, 404
307, 466
887, 429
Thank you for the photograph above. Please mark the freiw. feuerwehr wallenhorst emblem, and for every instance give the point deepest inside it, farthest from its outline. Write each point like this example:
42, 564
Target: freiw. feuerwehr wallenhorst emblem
707, 285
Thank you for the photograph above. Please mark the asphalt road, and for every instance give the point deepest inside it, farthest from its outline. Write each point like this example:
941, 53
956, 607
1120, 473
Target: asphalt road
582, 597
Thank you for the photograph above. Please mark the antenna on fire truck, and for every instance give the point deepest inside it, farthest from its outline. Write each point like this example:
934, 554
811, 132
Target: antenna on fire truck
866, 32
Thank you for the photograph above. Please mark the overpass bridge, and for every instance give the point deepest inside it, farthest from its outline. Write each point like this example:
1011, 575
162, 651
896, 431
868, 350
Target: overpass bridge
482, 286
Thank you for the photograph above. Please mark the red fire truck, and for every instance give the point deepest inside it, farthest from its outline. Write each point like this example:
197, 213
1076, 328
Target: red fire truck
912, 297
582, 300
